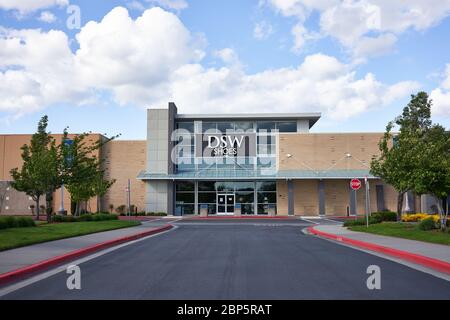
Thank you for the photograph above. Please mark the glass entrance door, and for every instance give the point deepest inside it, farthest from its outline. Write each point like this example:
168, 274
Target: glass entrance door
225, 203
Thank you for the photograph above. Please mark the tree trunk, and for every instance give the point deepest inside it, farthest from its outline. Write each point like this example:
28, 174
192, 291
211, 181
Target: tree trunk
443, 215
98, 204
400, 205
38, 209
49, 205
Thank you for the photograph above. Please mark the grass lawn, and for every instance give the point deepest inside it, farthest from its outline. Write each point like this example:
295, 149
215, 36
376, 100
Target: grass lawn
405, 230
19, 237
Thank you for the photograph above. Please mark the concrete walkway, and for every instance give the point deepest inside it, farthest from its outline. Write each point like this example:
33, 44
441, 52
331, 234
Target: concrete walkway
431, 250
21, 257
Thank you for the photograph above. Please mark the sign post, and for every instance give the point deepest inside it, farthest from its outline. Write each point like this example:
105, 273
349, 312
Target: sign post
127, 189
366, 182
355, 184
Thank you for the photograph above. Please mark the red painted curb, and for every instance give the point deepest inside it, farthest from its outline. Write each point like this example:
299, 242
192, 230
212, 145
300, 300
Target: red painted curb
22, 272
238, 217
439, 265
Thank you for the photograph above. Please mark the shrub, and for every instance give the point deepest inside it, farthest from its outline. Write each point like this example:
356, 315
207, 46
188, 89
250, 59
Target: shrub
375, 218
16, 222
121, 209
362, 221
386, 215
417, 217
86, 217
356, 222
427, 224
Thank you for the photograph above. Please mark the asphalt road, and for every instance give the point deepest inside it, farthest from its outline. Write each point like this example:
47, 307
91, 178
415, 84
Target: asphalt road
259, 260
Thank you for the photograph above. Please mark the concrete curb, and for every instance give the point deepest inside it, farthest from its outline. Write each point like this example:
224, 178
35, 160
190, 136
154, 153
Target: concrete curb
25, 271
435, 264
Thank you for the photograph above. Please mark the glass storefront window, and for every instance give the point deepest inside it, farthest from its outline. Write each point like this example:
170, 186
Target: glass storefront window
185, 197
244, 186
266, 126
288, 126
184, 186
188, 126
267, 197
206, 186
224, 186
242, 193
266, 139
245, 197
245, 126
207, 197
225, 127
265, 208
184, 209
209, 126
266, 186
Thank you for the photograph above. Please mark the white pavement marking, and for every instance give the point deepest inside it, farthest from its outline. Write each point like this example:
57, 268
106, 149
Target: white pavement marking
313, 222
414, 266
47, 274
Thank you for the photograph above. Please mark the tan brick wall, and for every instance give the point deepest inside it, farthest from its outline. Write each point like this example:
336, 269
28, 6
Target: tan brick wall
337, 197
124, 160
321, 151
306, 197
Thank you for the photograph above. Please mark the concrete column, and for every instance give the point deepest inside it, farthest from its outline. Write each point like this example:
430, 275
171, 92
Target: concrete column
321, 186
352, 200
160, 125
196, 197
290, 185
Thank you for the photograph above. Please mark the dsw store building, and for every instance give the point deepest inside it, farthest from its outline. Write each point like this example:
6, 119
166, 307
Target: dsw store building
258, 164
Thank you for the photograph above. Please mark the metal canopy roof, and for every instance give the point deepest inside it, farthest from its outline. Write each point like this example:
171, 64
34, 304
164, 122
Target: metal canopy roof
257, 175
313, 117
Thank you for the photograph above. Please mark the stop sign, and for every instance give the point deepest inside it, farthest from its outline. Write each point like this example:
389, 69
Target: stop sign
355, 184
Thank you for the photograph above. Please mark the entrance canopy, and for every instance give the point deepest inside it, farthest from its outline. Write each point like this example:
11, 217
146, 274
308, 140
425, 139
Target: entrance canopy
259, 174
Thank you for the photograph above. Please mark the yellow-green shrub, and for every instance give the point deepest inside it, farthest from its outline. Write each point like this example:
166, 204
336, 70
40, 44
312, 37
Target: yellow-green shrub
417, 217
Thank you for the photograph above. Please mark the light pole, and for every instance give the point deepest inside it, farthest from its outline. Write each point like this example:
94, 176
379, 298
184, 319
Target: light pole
366, 183
61, 206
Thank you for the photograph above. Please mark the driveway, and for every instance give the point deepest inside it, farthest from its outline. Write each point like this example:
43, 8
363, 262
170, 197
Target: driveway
230, 259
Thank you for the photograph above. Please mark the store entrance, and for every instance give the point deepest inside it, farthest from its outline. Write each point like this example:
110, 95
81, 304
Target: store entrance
225, 203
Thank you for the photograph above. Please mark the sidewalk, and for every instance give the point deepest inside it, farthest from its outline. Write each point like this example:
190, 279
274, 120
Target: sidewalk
435, 256
435, 251
25, 256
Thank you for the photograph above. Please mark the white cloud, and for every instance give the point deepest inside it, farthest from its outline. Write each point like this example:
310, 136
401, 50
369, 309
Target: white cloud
373, 46
176, 5
47, 16
441, 96
262, 30
25, 6
154, 59
375, 22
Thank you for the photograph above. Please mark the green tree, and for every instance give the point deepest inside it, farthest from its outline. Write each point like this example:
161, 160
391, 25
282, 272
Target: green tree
83, 173
101, 186
432, 175
400, 155
40, 174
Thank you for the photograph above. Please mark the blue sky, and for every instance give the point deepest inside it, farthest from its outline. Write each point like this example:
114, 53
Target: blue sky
357, 62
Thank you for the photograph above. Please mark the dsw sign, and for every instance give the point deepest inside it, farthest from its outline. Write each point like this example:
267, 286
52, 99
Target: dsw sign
224, 145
